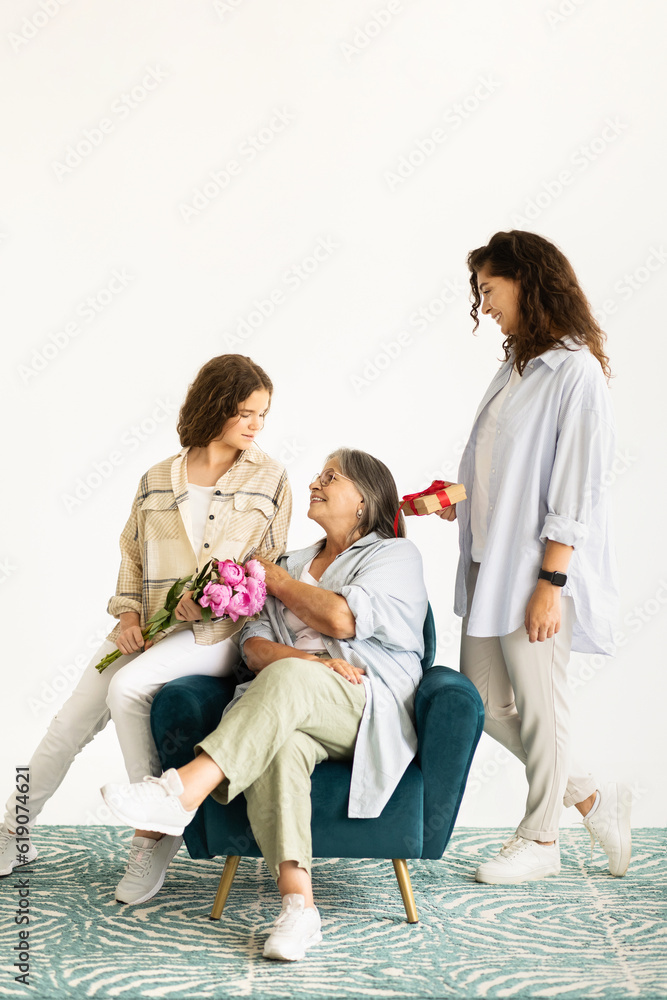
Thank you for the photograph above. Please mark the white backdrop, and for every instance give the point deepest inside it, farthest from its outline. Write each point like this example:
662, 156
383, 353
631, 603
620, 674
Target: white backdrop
301, 182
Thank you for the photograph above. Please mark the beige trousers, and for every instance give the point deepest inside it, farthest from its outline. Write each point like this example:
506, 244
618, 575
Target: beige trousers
526, 702
295, 714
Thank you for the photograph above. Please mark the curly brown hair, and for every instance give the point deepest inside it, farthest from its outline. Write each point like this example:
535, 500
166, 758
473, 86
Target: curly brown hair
551, 302
219, 387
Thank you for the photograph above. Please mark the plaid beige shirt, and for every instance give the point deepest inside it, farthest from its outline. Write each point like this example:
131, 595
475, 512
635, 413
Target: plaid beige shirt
250, 509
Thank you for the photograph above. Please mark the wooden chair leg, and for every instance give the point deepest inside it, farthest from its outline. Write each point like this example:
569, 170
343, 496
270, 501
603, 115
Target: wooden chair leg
405, 885
225, 884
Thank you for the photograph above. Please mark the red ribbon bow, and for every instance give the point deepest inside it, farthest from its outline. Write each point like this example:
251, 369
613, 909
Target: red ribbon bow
437, 487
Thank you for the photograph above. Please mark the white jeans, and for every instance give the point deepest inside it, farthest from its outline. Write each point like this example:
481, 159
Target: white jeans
526, 703
123, 692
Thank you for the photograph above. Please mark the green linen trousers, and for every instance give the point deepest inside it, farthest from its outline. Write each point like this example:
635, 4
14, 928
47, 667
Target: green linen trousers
295, 714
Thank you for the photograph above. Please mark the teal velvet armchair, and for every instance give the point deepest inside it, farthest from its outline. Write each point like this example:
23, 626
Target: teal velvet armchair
417, 821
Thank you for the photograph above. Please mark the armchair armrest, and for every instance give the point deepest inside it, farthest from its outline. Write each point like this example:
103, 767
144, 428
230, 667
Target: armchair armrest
183, 712
186, 710
450, 718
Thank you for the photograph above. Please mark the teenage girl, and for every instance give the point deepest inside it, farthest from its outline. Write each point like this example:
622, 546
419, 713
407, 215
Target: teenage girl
221, 497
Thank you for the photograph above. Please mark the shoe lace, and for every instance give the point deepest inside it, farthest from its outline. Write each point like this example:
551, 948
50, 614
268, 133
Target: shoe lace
138, 861
513, 846
5, 839
288, 919
161, 781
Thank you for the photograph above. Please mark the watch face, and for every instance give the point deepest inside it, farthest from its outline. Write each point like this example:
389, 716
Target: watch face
559, 579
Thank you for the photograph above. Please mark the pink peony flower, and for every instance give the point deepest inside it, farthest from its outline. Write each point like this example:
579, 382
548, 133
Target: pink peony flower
231, 572
217, 597
239, 605
256, 590
255, 569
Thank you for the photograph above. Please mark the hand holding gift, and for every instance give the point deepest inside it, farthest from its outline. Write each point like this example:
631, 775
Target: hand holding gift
448, 513
439, 498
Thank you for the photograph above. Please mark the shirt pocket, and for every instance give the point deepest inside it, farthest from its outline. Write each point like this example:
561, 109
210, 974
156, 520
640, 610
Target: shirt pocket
249, 519
168, 554
159, 517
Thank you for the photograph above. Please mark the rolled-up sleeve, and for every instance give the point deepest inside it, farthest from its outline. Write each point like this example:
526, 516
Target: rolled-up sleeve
387, 596
584, 454
259, 627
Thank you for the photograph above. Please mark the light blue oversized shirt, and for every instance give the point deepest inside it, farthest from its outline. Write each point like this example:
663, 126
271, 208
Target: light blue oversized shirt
382, 581
551, 464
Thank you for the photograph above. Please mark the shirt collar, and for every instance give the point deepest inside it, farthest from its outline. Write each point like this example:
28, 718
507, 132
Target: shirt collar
298, 559
555, 356
252, 454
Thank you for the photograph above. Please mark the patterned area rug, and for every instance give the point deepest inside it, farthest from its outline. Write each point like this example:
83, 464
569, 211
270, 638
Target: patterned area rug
582, 934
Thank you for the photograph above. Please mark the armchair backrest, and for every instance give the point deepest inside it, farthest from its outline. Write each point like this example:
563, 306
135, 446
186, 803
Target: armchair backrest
429, 640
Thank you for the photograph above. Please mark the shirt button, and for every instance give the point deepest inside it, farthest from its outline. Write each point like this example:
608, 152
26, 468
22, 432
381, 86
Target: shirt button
206, 545
498, 432
490, 506
210, 517
493, 470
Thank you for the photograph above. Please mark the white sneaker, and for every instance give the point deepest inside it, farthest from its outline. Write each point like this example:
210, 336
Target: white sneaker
296, 929
610, 826
151, 804
10, 857
146, 868
520, 860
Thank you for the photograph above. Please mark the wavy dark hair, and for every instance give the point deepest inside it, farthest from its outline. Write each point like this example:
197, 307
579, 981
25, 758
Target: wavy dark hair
551, 302
215, 395
378, 488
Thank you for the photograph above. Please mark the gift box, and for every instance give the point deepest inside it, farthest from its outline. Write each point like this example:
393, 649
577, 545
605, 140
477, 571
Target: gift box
428, 503
436, 497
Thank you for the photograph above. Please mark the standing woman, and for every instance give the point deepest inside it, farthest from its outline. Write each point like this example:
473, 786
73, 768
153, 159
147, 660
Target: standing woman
221, 496
536, 576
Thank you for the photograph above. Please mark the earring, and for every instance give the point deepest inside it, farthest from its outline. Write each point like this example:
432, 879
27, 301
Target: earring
359, 513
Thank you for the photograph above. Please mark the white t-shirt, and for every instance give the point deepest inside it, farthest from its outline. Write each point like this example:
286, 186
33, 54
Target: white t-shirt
200, 501
486, 434
307, 638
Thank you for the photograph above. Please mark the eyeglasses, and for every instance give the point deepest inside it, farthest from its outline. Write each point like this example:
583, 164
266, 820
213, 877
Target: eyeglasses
327, 477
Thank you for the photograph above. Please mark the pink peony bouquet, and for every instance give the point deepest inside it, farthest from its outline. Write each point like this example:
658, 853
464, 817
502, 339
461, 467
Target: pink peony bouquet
223, 589
239, 591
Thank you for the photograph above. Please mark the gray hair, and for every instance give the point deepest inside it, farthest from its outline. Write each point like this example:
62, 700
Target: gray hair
378, 488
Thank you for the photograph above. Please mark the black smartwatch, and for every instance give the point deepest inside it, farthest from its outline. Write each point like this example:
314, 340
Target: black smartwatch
558, 579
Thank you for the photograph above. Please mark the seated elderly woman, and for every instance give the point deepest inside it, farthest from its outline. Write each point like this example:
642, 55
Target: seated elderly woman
336, 652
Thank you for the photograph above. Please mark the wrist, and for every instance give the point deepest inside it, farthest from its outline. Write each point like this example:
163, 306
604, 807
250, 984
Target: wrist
552, 578
280, 587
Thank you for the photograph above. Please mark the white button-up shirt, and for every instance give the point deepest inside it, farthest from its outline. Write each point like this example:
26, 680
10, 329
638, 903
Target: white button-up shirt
551, 458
